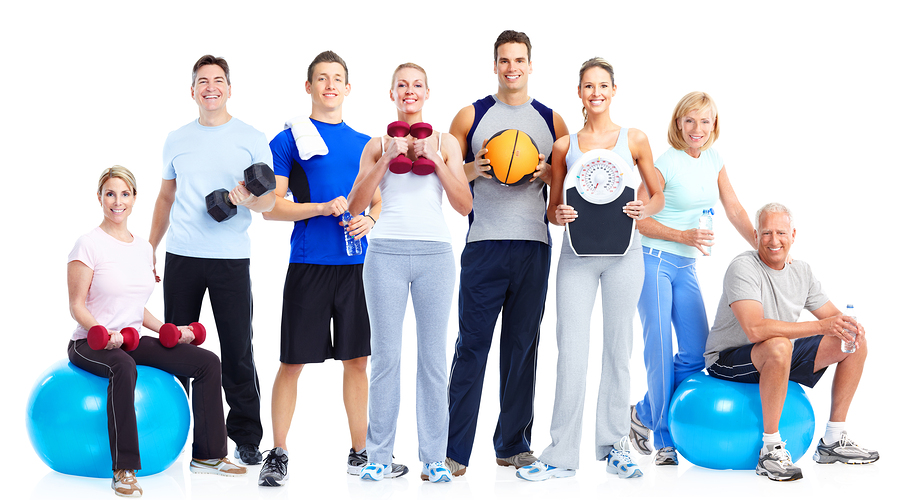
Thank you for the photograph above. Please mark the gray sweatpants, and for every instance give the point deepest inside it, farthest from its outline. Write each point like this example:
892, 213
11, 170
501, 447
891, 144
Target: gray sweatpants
620, 279
395, 269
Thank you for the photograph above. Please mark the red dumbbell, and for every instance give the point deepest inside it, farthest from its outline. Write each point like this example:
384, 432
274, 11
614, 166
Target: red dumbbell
422, 166
98, 338
169, 334
400, 164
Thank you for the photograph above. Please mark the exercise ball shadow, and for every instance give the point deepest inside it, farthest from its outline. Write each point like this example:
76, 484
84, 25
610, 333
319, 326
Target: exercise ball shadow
718, 424
67, 423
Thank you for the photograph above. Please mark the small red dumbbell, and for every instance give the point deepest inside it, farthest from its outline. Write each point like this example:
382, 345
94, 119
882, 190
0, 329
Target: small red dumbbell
98, 338
422, 166
169, 334
400, 164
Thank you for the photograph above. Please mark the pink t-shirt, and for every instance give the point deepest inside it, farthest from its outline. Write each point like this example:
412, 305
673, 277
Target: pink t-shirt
123, 279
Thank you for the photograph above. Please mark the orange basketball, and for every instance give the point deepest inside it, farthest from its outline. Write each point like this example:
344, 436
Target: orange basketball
513, 155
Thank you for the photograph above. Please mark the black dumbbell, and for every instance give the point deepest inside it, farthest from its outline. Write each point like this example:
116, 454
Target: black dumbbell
259, 179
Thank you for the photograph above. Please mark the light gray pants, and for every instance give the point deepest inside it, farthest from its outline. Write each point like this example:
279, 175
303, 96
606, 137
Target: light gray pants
620, 279
394, 270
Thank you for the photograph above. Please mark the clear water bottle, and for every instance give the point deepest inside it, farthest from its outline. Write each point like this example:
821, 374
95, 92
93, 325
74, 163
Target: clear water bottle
706, 222
353, 245
849, 346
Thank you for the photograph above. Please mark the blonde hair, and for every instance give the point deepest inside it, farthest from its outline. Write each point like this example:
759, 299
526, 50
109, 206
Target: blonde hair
409, 65
694, 101
595, 62
118, 172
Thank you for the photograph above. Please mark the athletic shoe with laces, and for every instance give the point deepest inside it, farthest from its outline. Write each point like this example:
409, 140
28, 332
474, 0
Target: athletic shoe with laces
248, 454
619, 461
435, 472
274, 470
517, 461
666, 456
357, 461
125, 484
639, 434
220, 467
777, 465
539, 471
455, 468
844, 450
372, 472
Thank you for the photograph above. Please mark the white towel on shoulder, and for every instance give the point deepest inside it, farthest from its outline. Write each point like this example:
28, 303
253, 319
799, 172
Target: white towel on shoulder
309, 141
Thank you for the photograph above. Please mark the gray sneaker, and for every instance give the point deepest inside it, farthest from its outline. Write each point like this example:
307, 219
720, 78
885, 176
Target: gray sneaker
666, 456
455, 468
274, 470
844, 450
639, 434
777, 465
517, 461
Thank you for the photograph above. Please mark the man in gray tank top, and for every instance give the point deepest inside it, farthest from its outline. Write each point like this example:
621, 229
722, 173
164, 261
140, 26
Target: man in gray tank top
505, 264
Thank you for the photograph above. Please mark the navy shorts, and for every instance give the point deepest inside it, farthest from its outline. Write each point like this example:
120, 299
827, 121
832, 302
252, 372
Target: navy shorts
736, 365
315, 297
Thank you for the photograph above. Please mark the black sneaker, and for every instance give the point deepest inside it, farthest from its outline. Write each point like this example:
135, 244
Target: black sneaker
274, 470
248, 454
357, 461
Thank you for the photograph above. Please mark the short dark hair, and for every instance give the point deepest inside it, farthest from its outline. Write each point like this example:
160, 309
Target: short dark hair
511, 36
208, 60
327, 57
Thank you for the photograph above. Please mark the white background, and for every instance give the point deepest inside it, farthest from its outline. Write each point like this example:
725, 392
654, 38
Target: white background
808, 109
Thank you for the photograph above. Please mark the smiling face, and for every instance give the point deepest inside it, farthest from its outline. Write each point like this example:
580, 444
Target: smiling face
211, 89
328, 86
596, 90
774, 238
512, 66
410, 91
116, 199
696, 128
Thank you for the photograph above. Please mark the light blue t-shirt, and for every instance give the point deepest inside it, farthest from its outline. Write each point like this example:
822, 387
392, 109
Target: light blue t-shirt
692, 185
202, 159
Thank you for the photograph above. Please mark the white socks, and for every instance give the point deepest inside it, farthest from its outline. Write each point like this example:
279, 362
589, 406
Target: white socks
833, 431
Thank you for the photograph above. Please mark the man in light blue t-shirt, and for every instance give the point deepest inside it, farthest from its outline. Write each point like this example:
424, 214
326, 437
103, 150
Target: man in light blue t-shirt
208, 154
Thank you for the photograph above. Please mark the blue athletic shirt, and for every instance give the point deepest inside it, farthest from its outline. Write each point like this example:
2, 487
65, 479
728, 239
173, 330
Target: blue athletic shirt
320, 239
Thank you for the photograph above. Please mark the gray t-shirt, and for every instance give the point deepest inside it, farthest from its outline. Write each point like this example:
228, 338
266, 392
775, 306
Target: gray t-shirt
783, 294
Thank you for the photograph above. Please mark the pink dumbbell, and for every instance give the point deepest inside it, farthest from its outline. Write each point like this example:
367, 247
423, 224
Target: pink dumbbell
169, 334
400, 164
98, 338
422, 166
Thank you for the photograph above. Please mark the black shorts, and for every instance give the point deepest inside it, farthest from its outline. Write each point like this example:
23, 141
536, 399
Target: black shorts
736, 365
314, 297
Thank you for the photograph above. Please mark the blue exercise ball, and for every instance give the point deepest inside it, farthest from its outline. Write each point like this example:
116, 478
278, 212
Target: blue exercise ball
718, 424
67, 421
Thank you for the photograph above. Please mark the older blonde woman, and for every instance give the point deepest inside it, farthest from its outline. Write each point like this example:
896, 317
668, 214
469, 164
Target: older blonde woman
693, 178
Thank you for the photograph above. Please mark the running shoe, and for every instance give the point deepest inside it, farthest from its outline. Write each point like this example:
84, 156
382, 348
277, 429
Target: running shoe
619, 461
777, 465
274, 470
666, 456
372, 472
539, 471
455, 468
844, 450
357, 461
435, 472
517, 461
221, 467
248, 454
125, 484
639, 434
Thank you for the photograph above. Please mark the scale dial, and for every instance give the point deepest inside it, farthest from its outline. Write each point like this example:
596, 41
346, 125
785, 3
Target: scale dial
599, 180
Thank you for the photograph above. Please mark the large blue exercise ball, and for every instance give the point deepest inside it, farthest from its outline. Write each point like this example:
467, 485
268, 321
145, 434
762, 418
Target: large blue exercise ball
718, 424
67, 420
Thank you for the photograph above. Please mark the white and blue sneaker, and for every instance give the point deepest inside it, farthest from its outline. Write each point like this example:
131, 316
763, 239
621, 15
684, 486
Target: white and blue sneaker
435, 472
372, 472
539, 471
619, 461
